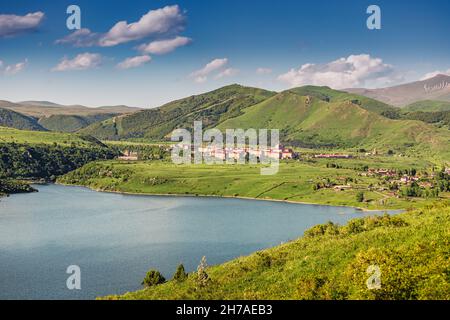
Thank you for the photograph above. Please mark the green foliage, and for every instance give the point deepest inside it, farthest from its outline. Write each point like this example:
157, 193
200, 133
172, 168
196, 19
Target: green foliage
360, 196
22, 161
8, 186
180, 274
72, 123
153, 278
427, 106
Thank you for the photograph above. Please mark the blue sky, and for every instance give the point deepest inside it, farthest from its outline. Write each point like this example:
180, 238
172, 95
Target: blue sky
269, 44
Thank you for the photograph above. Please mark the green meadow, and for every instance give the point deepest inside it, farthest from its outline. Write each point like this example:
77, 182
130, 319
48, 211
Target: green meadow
294, 182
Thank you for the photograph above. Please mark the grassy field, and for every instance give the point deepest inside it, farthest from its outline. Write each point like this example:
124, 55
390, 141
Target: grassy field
294, 182
411, 250
10, 135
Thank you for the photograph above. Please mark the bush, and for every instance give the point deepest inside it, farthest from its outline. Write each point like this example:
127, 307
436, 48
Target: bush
360, 196
153, 278
180, 275
329, 228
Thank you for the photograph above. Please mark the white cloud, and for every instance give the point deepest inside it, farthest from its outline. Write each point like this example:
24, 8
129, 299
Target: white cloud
229, 72
83, 61
167, 20
435, 73
14, 68
262, 71
81, 38
164, 46
201, 74
11, 25
134, 62
350, 72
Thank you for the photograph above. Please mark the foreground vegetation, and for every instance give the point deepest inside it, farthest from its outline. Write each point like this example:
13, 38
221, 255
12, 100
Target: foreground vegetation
411, 250
309, 182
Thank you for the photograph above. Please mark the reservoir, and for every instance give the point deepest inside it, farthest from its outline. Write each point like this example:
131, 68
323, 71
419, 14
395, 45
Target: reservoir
115, 238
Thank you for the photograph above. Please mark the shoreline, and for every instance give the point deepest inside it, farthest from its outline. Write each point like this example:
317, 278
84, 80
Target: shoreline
225, 197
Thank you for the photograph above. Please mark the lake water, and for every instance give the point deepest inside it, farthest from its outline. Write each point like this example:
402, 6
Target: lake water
115, 238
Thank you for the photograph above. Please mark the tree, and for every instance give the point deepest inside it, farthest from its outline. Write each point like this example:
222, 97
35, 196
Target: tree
180, 275
153, 278
360, 196
202, 276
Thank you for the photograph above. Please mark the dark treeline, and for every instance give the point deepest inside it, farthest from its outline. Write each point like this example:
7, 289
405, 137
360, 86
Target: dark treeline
22, 161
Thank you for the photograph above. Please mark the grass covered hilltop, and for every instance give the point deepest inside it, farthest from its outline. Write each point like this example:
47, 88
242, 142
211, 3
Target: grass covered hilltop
412, 251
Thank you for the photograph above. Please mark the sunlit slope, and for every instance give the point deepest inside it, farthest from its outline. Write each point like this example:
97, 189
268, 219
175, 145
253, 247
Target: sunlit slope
212, 108
311, 122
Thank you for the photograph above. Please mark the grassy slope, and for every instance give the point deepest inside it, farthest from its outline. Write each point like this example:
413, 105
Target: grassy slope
341, 124
12, 119
412, 251
331, 95
10, 135
427, 106
294, 182
212, 108
72, 123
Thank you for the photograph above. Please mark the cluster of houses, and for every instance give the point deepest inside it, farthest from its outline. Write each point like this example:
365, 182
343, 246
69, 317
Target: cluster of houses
404, 179
236, 153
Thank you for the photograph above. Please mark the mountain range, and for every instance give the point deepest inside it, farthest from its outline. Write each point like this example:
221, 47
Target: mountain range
46, 115
435, 88
308, 116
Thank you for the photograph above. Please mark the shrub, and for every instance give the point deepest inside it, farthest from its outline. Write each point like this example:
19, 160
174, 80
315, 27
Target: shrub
153, 278
180, 274
329, 228
360, 196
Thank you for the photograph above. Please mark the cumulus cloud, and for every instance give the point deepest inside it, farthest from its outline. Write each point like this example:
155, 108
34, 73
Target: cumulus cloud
201, 74
164, 46
83, 61
16, 68
167, 20
134, 62
11, 25
262, 71
350, 72
229, 72
435, 73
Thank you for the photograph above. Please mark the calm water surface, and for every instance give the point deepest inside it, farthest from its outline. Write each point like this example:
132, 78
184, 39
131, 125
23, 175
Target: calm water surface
116, 238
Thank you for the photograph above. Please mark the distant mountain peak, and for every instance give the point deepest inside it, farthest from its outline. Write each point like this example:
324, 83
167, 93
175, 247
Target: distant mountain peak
435, 88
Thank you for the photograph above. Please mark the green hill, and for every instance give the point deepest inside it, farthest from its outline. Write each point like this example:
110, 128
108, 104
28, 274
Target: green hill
11, 135
331, 262
330, 95
313, 122
72, 123
12, 119
307, 116
427, 106
212, 107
